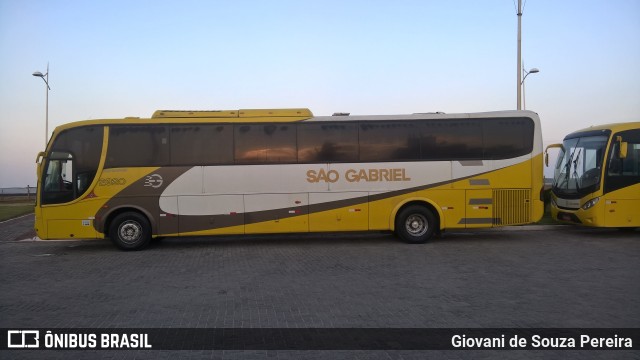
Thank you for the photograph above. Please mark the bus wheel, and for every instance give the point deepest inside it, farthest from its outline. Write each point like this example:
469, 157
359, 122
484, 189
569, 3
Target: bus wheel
130, 231
415, 224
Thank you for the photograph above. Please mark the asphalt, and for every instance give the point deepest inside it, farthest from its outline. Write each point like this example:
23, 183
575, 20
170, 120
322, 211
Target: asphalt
524, 277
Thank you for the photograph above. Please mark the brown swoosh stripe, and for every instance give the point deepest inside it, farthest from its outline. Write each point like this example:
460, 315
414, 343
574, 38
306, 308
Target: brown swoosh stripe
150, 205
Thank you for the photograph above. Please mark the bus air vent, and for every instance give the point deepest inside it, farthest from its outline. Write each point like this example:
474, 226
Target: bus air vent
511, 206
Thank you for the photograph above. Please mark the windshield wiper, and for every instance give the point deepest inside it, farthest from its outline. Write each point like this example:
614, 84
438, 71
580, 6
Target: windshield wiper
563, 178
567, 172
575, 169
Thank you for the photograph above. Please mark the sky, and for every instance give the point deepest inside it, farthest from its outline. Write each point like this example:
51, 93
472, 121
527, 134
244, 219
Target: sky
112, 59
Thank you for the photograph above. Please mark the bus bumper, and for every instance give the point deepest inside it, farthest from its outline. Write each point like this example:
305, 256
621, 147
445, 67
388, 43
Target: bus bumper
39, 225
578, 216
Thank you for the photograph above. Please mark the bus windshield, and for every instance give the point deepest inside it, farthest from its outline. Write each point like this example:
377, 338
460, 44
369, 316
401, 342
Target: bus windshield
579, 167
71, 165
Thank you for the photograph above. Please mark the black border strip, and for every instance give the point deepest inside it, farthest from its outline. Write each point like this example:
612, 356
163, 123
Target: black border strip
322, 339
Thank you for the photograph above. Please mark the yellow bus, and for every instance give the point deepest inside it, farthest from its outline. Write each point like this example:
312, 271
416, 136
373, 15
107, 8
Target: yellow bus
186, 173
597, 177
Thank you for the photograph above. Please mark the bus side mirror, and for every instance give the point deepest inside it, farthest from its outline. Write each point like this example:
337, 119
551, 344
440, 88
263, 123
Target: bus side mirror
40, 156
546, 152
622, 149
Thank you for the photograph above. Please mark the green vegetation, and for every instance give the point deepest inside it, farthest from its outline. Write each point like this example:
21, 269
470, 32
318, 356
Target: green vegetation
12, 210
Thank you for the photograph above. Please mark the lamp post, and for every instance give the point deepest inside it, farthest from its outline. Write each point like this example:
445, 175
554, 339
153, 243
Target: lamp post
526, 73
45, 78
519, 61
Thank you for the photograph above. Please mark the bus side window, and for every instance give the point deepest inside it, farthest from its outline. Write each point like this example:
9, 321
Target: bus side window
630, 165
624, 172
327, 142
265, 144
389, 141
138, 145
632, 161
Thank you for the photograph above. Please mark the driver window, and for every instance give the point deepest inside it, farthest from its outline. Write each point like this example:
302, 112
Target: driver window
614, 162
624, 172
58, 182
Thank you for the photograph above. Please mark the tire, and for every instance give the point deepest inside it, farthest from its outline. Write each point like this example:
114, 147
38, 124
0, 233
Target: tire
415, 224
130, 231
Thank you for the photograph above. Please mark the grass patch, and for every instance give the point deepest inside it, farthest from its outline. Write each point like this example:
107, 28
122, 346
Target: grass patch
10, 211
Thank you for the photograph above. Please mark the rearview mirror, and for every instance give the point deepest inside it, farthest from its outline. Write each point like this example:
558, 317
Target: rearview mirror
546, 153
40, 156
622, 148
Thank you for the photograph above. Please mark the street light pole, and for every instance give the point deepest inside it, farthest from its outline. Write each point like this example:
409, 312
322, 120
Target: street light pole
45, 78
532, 71
519, 55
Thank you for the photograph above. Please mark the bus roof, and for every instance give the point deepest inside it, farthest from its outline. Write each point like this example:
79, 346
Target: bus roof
613, 127
277, 115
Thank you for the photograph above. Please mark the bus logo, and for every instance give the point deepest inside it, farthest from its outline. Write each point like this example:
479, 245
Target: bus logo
112, 181
154, 181
23, 339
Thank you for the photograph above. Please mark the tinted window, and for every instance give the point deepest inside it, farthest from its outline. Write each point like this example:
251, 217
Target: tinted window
623, 172
451, 140
199, 144
72, 164
330, 142
85, 144
272, 143
389, 141
138, 146
507, 138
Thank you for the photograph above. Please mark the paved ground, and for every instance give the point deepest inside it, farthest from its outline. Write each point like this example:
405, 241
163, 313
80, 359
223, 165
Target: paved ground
534, 277
17, 229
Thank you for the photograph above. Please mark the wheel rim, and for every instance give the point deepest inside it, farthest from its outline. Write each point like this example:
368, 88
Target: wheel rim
416, 225
130, 231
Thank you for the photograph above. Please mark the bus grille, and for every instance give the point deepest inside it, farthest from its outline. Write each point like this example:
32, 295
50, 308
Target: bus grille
511, 207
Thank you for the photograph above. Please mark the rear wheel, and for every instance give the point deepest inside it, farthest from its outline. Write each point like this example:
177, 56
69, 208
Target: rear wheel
130, 231
415, 224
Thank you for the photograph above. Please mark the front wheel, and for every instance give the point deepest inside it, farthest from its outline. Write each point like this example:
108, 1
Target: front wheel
130, 231
415, 224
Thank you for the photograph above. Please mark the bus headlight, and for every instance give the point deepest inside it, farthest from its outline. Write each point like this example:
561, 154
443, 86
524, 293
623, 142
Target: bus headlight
589, 204
553, 202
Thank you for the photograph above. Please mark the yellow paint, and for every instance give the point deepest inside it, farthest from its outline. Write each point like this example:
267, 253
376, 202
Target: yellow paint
618, 208
537, 186
348, 218
65, 219
231, 230
71, 229
292, 225
478, 211
451, 201
242, 115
